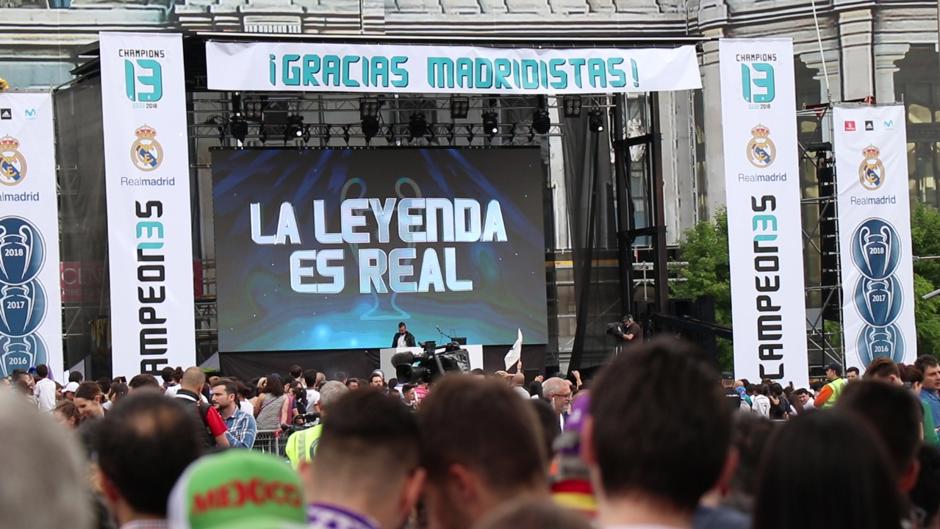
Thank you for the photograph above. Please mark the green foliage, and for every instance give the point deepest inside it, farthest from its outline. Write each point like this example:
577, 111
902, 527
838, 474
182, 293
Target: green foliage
925, 240
705, 248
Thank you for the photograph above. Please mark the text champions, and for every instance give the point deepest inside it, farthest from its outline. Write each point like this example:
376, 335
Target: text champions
416, 221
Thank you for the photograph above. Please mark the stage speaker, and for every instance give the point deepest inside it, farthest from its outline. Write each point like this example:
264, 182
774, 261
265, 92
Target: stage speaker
828, 238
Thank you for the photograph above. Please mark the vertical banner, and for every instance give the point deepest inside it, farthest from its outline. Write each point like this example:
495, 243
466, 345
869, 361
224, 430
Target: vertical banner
762, 179
30, 301
149, 223
874, 234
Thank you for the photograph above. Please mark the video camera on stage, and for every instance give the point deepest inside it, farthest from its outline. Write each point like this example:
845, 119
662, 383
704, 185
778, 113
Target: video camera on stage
432, 362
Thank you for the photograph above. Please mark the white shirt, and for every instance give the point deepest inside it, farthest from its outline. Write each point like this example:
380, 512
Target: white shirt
761, 405
401, 341
45, 394
313, 397
171, 390
246, 406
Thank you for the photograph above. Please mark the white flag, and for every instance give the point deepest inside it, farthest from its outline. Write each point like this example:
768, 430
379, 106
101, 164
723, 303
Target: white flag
515, 353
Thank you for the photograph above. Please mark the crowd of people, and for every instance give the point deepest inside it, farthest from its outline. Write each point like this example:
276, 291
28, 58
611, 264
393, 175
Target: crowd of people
654, 440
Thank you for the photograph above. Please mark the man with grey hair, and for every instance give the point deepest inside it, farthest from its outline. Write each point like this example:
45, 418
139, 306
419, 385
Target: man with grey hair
557, 391
40, 499
302, 445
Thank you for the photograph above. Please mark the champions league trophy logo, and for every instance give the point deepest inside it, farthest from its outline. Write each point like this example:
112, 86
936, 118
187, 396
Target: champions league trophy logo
881, 302
146, 151
875, 342
871, 172
21, 353
761, 151
22, 308
12, 162
875, 250
21, 251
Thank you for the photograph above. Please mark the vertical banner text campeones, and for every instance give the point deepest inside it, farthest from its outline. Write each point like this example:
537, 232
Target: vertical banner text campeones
149, 226
874, 234
763, 197
30, 299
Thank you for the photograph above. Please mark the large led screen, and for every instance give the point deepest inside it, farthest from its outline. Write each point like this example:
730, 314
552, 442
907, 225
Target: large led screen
331, 248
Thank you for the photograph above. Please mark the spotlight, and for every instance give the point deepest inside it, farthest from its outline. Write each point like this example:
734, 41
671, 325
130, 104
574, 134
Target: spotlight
369, 113
294, 128
417, 126
541, 123
390, 135
596, 121
238, 128
459, 107
572, 106
370, 127
490, 123
262, 133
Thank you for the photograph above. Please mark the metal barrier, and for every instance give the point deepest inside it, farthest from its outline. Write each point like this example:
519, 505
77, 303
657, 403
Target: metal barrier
270, 442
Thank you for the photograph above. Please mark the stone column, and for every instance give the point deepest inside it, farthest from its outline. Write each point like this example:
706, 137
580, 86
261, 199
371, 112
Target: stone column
856, 38
714, 154
886, 58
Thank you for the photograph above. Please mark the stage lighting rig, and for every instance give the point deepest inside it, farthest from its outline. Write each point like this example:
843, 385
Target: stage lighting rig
490, 123
541, 122
417, 126
459, 107
572, 106
294, 128
326, 134
369, 113
262, 133
596, 121
238, 127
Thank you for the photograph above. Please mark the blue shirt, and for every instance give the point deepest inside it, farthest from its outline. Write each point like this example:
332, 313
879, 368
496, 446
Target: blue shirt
241, 429
932, 399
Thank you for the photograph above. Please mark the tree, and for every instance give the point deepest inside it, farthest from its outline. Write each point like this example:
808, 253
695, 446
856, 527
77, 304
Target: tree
705, 248
925, 241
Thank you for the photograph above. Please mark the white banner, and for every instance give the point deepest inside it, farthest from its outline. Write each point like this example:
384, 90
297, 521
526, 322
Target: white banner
149, 224
30, 299
874, 234
762, 182
316, 67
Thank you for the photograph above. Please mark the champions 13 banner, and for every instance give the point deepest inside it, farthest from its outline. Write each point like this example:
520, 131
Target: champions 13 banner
149, 226
874, 234
762, 181
30, 300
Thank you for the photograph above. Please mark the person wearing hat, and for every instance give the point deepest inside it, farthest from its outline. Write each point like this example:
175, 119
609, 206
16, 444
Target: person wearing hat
829, 394
237, 489
68, 391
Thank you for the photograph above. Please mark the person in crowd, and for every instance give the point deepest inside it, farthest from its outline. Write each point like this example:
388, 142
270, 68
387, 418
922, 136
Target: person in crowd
118, 391
803, 401
365, 430
557, 391
68, 390
882, 369
894, 415
66, 412
25, 385
43, 484
925, 496
211, 423
829, 394
313, 396
930, 388
761, 401
570, 477
76, 376
549, 426
295, 374
517, 382
238, 489
148, 382
408, 396
377, 380
272, 405
45, 389
851, 374
302, 445
170, 380
628, 330
653, 479
144, 445
298, 402
827, 470
240, 426
88, 400
352, 383
480, 445
530, 513
403, 338
780, 408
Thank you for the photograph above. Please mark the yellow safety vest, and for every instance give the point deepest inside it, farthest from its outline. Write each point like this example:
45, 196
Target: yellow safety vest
837, 386
302, 445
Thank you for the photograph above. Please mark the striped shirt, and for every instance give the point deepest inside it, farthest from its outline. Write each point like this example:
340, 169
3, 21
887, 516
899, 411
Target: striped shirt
241, 429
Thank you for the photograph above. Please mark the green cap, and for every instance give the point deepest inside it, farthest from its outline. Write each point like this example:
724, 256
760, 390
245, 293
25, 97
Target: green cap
235, 489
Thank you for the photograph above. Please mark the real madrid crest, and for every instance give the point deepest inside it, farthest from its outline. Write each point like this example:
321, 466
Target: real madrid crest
146, 152
12, 162
761, 151
871, 172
